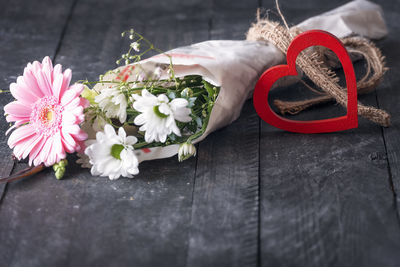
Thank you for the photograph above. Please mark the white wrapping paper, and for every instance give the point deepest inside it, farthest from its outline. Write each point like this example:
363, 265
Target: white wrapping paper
236, 65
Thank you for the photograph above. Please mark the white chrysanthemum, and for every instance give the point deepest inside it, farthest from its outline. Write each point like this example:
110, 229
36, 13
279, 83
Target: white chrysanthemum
113, 102
158, 115
113, 155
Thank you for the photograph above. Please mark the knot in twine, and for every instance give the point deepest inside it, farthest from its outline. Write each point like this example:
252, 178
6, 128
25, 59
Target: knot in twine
316, 65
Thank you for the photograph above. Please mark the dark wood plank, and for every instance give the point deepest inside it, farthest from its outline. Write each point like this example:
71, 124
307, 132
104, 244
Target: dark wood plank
224, 227
326, 199
91, 221
29, 31
387, 95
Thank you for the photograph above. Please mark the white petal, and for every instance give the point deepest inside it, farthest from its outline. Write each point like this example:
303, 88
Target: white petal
163, 98
179, 103
131, 140
109, 131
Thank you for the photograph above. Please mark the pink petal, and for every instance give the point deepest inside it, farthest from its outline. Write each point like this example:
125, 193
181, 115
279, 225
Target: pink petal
68, 142
47, 67
52, 156
72, 105
66, 80
68, 119
22, 146
84, 102
35, 152
10, 129
80, 136
72, 93
30, 81
24, 96
21, 121
73, 129
17, 109
18, 149
82, 147
44, 154
43, 83
11, 118
58, 146
36, 66
57, 71
35, 139
57, 84
19, 134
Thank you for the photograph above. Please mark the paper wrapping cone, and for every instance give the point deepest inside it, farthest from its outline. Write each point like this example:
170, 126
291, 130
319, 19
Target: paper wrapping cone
235, 66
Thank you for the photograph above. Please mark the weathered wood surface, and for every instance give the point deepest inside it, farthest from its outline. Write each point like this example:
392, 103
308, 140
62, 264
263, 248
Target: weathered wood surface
326, 200
253, 196
224, 225
387, 97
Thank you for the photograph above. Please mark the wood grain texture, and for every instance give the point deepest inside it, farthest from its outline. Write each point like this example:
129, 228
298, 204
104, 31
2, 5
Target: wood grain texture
224, 226
254, 196
326, 199
387, 96
27, 32
91, 221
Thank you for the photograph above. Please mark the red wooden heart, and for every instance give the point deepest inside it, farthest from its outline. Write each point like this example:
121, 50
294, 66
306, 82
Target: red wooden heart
269, 77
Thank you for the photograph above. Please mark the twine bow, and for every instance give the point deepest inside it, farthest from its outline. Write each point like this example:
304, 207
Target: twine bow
317, 65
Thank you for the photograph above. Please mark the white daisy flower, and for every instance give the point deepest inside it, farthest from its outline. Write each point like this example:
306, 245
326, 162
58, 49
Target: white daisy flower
113, 102
113, 155
158, 115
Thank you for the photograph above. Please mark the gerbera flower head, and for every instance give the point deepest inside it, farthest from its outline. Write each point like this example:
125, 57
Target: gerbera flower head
159, 115
113, 154
46, 114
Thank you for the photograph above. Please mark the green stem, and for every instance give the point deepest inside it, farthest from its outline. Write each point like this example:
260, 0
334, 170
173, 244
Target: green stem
201, 132
140, 145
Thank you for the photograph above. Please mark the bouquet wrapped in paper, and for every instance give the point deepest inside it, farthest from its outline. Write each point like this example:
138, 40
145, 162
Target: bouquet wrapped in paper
157, 107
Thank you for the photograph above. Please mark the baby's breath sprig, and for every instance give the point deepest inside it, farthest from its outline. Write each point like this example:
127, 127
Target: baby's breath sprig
138, 48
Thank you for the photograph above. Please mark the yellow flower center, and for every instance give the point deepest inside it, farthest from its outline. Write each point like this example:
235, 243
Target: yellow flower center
50, 116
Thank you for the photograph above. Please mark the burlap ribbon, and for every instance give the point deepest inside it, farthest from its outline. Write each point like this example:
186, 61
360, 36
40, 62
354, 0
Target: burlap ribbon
317, 65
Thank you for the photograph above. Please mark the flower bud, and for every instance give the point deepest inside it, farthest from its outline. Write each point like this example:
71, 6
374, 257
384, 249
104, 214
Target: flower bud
59, 168
187, 92
186, 150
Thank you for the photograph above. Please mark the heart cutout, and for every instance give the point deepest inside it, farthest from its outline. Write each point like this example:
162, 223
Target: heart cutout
270, 76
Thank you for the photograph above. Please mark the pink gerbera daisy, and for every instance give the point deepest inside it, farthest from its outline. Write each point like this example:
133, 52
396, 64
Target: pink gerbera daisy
47, 113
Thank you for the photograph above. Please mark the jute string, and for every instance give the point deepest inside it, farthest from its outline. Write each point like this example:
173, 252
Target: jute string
317, 64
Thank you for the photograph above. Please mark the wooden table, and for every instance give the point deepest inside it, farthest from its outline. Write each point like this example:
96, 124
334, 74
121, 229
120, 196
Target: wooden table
253, 196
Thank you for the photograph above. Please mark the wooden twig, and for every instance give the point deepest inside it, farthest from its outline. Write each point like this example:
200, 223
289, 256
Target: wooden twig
23, 173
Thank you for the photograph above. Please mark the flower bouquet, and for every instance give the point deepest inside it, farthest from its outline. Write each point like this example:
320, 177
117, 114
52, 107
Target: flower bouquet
152, 108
